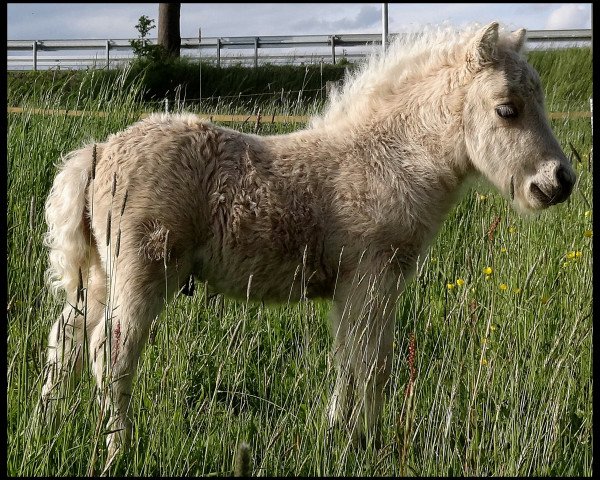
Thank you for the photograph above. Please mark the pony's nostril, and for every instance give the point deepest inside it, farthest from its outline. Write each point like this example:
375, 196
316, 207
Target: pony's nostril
539, 194
565, 180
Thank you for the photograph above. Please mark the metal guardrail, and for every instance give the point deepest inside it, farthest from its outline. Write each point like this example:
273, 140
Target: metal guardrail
105, 49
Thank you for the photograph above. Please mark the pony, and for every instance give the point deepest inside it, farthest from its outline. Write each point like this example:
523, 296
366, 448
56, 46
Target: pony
341, 210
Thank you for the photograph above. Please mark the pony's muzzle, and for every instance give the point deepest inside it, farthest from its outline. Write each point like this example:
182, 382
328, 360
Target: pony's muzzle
558, 190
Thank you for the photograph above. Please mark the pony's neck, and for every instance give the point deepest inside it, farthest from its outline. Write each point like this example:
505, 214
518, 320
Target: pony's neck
413, 137
421, 121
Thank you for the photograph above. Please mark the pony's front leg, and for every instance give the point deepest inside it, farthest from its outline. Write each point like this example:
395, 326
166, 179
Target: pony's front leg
339, 410
363, 329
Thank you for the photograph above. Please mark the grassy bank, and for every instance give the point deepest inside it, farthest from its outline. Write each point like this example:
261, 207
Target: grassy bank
503, 361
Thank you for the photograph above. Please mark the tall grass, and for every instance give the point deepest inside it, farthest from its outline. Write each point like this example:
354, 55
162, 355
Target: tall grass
502, 361
232, 84
567, 75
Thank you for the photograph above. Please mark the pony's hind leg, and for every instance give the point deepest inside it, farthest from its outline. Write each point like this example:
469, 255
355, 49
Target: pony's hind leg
138, 289
115, 346
67, 338
65, 343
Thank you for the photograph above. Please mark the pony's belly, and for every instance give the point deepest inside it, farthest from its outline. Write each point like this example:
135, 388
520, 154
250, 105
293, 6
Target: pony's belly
262, 280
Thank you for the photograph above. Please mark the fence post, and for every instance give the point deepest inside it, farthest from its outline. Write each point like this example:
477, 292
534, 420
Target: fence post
166, 105
107, 54
34, 55
384, 21
333, 49
592, 121
321, 65
255, 52
219, 52
200, 65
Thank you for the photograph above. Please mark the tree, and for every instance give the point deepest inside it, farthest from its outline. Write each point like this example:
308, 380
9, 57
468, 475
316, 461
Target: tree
169, 36
140, 46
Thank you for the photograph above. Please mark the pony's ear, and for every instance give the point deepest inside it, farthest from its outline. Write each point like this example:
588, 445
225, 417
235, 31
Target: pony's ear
482, 49
517, 39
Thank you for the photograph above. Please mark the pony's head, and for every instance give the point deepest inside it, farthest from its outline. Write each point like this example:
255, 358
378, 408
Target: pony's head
507, 135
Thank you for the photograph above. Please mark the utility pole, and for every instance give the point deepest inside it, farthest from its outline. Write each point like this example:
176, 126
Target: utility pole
384, 22
200, 63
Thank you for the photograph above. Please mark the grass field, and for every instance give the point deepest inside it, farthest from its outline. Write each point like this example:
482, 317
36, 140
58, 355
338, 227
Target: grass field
502, 360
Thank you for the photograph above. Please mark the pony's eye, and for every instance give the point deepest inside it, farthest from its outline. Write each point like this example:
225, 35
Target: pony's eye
507, 111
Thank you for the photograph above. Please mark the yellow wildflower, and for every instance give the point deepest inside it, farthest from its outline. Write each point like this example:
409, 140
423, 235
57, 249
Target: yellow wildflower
503, 286
570, 255
512, 229
517, 290
483, 361
488, 270
450, 286
578, 253
492, 327
460, 282
503, 249
544, 299
588, 233
587, 213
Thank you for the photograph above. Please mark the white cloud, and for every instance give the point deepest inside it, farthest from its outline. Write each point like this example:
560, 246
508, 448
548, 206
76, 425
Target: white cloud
570, 15
366, 19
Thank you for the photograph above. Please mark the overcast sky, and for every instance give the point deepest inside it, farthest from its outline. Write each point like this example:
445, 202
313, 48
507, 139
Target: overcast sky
46, 21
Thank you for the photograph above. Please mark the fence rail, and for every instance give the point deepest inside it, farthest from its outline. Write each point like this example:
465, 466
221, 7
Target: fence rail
31, 53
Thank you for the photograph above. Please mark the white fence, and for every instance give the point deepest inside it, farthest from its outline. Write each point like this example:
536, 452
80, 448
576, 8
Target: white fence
66, 54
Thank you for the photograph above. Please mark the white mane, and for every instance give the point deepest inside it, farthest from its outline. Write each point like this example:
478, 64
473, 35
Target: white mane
408, 54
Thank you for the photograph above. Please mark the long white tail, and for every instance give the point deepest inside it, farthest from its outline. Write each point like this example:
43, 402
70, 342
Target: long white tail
68, 235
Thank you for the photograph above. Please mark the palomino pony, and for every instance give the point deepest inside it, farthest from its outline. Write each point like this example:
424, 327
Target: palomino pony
351, 202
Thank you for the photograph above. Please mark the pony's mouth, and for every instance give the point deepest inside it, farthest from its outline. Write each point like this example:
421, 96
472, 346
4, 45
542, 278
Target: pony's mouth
539, 195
